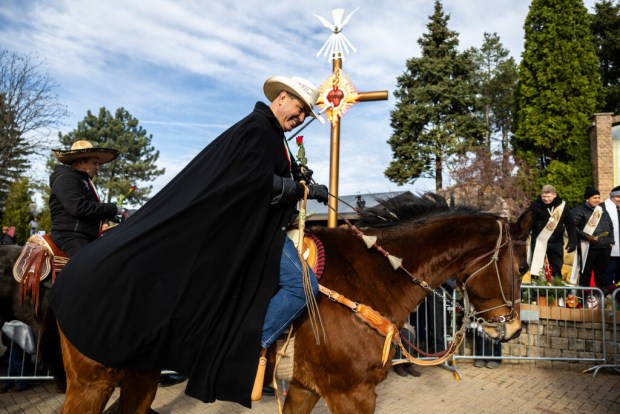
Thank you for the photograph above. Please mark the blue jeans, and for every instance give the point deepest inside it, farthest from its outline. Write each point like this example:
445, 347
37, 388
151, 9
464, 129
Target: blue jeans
290, 300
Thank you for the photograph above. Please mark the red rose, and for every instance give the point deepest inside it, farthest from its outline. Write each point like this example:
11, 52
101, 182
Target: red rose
299, 139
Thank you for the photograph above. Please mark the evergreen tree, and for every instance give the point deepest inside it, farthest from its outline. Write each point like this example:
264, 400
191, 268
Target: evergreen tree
606, 31
559, 89
136, 163
497, 83
434, 116
17, 209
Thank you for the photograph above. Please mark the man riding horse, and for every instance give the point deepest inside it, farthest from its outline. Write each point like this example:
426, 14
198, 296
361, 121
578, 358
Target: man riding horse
188, 282
75, 207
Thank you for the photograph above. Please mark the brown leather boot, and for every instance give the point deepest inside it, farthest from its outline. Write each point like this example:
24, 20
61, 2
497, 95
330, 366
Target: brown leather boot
257, 390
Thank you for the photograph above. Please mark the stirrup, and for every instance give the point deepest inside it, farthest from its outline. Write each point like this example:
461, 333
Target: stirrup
257, 390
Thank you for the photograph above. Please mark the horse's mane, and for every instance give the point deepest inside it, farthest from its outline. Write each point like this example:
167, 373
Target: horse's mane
408, 207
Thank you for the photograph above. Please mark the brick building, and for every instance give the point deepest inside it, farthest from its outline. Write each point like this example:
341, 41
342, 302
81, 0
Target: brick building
605, 151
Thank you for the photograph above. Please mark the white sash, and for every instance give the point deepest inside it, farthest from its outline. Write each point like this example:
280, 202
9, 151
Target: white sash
537, 260
611, 208
585, 246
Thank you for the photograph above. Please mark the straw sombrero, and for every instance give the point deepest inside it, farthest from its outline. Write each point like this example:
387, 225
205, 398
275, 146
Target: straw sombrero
84, 149
300, 87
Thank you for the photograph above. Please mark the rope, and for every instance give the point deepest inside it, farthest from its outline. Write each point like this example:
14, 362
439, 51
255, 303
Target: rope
279, 356
314, 316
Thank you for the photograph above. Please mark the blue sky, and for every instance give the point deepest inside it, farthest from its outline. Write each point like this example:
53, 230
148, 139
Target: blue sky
188, 69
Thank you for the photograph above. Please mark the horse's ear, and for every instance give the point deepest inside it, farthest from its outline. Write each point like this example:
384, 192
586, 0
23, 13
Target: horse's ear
521, 229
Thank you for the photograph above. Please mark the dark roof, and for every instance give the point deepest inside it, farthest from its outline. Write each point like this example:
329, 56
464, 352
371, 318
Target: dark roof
319, 212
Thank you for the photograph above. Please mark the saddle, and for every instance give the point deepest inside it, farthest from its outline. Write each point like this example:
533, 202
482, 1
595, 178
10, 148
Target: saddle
313, 251
39, 258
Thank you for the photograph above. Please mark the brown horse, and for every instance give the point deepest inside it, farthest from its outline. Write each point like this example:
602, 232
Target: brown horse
436, 243
483, 253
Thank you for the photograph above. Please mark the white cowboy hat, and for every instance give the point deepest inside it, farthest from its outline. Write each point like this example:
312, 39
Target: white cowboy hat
84, 149
300, 87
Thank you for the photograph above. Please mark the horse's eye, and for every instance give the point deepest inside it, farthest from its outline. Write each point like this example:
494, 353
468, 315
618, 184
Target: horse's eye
523, 269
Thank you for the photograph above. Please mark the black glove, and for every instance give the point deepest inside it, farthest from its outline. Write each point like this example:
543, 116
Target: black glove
307, 172
318, 192
570, 247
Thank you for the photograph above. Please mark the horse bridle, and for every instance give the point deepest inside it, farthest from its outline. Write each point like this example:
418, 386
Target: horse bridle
497, 322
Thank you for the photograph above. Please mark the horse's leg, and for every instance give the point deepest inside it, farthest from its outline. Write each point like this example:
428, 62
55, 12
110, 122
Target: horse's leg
359, 400
89, 383
138, 389
299, 400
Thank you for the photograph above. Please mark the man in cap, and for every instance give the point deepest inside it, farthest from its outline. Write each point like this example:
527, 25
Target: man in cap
551, 218
612, 205
76, 210
196, 301
595, 230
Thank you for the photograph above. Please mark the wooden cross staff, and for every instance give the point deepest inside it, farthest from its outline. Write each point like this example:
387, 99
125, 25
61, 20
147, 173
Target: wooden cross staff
341, 95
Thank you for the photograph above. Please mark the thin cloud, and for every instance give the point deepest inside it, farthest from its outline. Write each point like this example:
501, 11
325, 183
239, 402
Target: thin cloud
188, 69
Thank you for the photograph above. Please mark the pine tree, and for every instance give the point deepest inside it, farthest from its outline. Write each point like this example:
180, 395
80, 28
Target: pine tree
559, 89
433, 119
136, 163
606, 31
497, 83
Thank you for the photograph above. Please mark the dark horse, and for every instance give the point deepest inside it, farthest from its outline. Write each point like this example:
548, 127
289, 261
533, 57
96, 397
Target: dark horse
435, 241
12, 308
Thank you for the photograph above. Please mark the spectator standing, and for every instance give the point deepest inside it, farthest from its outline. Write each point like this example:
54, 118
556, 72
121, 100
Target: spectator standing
20, 351
595, 230
612, 206
551, 218
486, 347
34, 226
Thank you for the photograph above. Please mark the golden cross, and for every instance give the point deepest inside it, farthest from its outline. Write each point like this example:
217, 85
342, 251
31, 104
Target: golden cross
338, 93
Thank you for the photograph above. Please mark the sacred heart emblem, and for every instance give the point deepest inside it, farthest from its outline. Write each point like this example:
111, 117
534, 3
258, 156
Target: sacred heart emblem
335, 96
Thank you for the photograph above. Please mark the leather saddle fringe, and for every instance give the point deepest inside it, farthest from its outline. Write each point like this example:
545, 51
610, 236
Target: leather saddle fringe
39, 258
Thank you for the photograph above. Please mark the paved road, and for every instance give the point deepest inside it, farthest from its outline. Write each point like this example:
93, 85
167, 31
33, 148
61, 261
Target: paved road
513, 388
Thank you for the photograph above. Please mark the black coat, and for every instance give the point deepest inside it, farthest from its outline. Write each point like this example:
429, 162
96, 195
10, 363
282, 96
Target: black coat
541, 218
582, 214
184, 283
74, 205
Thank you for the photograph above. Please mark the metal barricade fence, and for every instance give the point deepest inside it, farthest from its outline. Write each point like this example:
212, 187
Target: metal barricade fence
557, 325
551, 332
17, 364
612, 312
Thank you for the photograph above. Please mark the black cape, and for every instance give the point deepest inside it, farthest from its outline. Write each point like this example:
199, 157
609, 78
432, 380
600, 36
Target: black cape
184, 283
